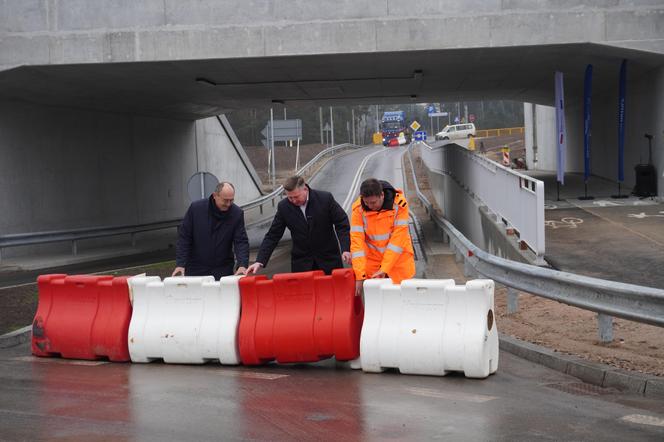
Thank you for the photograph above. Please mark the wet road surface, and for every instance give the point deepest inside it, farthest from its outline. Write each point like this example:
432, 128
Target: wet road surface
50, 399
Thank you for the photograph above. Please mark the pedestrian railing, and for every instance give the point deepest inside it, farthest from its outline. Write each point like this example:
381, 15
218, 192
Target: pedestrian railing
606, 298
483, 133
76, 235
515, 198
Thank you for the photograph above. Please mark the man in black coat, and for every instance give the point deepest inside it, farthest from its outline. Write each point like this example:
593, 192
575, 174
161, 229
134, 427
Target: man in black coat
312, 216
210, 231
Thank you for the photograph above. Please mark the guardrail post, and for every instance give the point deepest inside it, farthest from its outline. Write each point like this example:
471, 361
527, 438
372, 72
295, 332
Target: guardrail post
512, 301
457, 254
446, 238
605, 326
468, 270
74, 248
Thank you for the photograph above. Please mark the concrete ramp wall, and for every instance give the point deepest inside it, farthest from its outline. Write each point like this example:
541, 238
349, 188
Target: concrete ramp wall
65, 168
468, 215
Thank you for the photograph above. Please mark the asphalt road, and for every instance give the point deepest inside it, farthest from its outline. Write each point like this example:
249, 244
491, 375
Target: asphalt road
47, 399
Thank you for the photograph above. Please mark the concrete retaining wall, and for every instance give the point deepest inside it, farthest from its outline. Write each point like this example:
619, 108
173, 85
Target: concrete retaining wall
472, 219
66, 168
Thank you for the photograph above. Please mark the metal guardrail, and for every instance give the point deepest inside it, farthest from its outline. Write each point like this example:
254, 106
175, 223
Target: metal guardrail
607, 298
278, 192
75, 235
516, 198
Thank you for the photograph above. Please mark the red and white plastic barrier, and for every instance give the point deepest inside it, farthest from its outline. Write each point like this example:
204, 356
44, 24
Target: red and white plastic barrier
185, 320
82, 317
300, 317
429, 327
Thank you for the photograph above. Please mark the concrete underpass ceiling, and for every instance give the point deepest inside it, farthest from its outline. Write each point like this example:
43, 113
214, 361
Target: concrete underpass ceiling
170, 89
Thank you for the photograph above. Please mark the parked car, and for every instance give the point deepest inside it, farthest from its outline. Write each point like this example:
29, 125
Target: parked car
456, 131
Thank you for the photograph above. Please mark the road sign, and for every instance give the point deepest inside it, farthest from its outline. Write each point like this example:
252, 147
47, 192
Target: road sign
200, 185
415, 125
471, 118
284, 130
431, 109
438, 114
421, 135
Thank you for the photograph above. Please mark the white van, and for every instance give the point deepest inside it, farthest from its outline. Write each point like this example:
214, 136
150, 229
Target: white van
456, 131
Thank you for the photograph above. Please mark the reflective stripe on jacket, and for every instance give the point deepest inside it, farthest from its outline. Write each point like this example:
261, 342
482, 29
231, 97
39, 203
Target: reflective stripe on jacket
380, 240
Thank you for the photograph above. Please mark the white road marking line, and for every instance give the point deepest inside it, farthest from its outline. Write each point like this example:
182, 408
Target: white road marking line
250, 374
450, 395
643, 420
356, 182
58, 361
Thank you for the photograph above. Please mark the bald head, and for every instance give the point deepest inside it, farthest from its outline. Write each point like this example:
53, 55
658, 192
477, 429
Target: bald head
224, 195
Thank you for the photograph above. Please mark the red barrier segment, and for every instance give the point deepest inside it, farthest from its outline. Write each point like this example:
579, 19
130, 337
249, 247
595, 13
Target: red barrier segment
82, 317
300, 317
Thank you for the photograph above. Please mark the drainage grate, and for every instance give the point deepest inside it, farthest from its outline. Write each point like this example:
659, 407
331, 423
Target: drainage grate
581, 389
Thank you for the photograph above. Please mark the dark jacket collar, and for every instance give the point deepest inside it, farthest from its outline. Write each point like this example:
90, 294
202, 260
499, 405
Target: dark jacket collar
214, 211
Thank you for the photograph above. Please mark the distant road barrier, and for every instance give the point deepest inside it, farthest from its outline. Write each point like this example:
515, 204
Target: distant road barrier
75, 235
607, 298
483, 133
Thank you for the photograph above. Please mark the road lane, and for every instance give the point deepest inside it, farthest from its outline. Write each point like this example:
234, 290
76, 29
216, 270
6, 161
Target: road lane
324, 401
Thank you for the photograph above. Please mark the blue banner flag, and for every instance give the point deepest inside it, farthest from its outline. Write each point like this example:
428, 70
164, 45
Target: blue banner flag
561, 133
587, 102
621, 121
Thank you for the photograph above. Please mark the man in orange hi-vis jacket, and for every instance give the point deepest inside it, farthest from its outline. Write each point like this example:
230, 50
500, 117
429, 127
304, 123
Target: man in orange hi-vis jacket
380, 243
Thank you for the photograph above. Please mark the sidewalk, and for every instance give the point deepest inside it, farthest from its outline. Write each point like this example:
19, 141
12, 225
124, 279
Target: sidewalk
614, 239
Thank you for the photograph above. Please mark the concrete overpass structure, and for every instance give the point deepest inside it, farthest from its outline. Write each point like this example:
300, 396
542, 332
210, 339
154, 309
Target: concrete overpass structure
106, 106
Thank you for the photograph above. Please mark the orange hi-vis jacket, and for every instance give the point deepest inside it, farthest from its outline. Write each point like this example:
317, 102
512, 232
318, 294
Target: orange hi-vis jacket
380, 240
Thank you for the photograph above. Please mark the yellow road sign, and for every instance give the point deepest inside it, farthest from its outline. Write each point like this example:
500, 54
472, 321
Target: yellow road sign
415, 125
377, 138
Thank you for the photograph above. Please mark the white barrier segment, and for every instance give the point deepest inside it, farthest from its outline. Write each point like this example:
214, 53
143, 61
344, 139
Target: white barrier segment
422, 346
429, 327
185, 320
140, 299
229, 352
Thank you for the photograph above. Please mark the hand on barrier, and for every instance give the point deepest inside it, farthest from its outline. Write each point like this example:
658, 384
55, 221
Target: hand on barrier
345, 257
254, 268
358, 287
241, 271
379, 275
177, 270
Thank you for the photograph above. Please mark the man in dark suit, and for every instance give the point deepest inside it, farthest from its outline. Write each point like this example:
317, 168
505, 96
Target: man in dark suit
312, 216
211, 230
